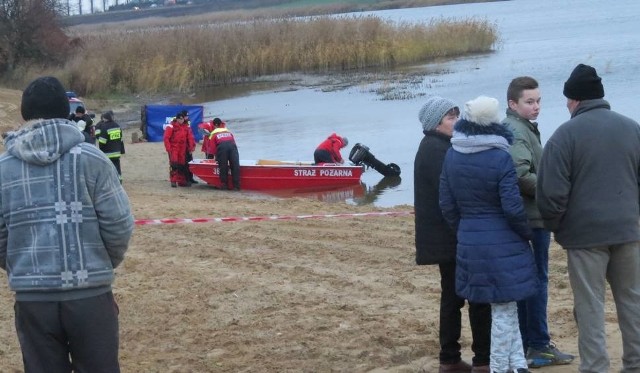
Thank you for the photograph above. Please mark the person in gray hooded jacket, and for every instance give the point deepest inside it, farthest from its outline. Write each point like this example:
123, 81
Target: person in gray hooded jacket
587, 193
65, 224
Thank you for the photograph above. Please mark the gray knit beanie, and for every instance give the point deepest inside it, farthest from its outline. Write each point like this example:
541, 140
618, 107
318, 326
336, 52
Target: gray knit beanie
433, 111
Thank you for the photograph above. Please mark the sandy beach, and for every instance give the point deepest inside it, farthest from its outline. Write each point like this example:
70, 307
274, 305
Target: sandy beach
299, 295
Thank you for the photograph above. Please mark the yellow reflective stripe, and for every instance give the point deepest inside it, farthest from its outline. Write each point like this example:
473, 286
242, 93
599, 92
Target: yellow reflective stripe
114, 134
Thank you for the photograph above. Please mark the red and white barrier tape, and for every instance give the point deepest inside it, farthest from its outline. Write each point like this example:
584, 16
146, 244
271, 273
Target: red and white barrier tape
264, 218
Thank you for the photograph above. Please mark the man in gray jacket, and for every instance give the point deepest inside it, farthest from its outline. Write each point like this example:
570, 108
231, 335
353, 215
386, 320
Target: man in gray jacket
587, 193
65, 224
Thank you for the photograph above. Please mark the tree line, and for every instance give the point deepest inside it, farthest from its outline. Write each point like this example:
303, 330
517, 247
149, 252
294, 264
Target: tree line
30, 33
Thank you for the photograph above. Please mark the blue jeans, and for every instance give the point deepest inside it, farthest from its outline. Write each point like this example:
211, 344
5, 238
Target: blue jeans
532, 312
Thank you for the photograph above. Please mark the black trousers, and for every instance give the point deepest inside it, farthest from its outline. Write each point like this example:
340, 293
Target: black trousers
77, 335
451, 322
322, 156
116, 162
188, 173
228, 157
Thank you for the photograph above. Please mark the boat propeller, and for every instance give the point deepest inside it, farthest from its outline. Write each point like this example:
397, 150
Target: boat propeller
360, 154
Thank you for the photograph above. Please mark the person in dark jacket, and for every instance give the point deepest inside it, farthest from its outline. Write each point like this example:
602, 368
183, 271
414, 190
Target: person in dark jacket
523, 98
109, 136
436, 242
480, 200
85, 124
587, 194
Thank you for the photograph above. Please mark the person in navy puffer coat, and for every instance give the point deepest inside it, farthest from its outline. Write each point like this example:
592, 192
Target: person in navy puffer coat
480, 199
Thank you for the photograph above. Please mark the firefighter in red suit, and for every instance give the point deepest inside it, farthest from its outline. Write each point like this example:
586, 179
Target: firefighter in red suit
206, 128
223, 145
329, 150
179, 143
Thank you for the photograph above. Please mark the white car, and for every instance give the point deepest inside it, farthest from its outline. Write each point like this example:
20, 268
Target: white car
74, 102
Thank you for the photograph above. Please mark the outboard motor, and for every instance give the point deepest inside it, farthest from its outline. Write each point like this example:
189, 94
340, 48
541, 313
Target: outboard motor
360, 154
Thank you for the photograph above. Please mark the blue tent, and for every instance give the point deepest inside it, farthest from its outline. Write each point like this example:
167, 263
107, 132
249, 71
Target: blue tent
159, 116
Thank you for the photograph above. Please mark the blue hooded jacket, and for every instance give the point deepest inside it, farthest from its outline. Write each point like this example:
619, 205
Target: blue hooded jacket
480, 199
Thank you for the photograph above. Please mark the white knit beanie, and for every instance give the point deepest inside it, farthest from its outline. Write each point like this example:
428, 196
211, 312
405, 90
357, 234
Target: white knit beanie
482, 110
433, 111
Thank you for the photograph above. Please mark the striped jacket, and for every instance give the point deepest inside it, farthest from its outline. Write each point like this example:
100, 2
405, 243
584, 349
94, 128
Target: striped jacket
65, 220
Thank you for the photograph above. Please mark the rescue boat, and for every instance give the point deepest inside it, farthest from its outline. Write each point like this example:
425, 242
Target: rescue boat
272, 175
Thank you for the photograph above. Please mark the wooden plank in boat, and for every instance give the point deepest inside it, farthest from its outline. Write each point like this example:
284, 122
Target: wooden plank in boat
273, 162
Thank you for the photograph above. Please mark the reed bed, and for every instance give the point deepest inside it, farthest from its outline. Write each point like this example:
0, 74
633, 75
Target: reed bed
180, 57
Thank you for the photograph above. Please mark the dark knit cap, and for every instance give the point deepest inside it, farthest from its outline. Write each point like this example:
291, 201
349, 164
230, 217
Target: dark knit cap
44, 98
583, 84
107, 116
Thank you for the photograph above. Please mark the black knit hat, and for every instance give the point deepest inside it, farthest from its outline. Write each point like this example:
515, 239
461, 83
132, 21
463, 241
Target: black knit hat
44, 98
107, 116
583, 84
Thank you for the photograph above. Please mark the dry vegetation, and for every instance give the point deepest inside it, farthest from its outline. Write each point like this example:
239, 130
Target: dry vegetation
181, 57
178, 54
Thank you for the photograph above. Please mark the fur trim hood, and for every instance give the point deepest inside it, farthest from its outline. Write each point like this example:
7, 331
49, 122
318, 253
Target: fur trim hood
471, 138
467, 128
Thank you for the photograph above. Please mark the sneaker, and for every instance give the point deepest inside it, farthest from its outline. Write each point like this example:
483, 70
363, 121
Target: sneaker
546, 356
174, 185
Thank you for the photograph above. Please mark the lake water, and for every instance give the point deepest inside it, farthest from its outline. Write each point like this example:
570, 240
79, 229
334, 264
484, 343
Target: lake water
545, 39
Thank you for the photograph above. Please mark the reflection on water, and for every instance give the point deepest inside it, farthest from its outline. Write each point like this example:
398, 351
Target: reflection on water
359, 194
371, 195
349, 193
340, 194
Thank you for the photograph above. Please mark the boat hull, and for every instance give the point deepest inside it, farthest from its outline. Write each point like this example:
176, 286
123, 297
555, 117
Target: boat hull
278, 175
